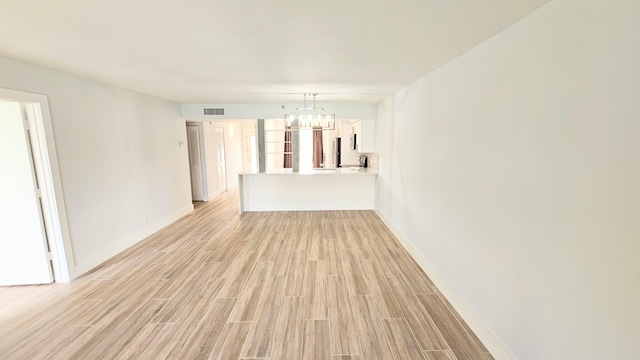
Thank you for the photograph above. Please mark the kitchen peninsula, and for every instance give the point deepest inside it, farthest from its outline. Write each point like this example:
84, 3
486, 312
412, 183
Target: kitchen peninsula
349, 188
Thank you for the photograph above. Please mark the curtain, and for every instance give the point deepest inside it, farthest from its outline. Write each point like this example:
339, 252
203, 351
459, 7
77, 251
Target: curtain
287, 149
317, 148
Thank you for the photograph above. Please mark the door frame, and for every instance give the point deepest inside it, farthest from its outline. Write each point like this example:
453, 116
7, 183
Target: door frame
54, 210
203, 164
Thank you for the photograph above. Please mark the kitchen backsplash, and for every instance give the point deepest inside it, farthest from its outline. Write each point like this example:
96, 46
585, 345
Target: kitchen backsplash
372, 160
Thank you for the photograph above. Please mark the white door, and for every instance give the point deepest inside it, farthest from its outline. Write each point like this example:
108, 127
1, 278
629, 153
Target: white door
221, 163
24, 254
195, 164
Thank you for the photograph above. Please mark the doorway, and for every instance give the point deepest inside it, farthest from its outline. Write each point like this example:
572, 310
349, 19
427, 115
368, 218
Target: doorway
195, 163
35, 246
225, 149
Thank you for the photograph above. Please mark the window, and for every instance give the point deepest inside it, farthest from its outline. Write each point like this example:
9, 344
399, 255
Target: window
279, 146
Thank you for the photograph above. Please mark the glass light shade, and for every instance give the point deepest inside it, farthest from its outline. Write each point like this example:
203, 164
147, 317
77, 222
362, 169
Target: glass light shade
310, 118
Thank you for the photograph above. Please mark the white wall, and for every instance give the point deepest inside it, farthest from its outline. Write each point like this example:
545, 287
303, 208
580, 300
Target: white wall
123, 174
210, 154
249, 157
513, 171
233, 150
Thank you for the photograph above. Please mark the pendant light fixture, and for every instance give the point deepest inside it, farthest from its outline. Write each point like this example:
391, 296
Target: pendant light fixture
310, 118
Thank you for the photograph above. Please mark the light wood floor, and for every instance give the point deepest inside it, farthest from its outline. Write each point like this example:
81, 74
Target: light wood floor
216, 285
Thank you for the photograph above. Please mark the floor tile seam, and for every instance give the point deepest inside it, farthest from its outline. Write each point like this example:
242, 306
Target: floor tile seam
200, 322
272, 336
427, 314
220, 337
463, 326
355, 324
124, 321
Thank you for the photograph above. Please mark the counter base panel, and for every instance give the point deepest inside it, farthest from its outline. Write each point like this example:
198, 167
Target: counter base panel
306, 193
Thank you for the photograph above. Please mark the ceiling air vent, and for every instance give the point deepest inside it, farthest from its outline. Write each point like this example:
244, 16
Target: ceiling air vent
214, 111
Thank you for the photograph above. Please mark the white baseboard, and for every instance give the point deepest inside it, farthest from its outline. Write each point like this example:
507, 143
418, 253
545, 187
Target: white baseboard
122, 245
490, 341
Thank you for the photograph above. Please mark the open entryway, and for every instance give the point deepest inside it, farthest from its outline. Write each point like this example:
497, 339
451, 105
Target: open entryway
32, 216
216, 156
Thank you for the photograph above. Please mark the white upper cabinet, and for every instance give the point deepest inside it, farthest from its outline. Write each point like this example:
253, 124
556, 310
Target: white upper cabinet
365, 133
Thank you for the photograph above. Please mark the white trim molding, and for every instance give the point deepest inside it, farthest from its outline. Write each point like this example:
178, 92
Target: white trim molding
488, 339
54, 210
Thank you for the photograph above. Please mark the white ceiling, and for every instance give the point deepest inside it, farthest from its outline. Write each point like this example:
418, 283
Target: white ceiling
358, 51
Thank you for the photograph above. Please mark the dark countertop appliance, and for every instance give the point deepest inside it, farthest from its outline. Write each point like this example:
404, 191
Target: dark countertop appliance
363, 161
337, 159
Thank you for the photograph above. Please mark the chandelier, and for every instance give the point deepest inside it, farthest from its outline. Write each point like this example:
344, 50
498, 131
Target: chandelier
310, 118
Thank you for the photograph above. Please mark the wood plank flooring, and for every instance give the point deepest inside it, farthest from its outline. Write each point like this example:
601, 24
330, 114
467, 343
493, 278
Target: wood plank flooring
217, 285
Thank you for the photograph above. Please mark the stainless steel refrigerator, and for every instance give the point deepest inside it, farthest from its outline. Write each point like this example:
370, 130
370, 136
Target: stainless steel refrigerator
336, 147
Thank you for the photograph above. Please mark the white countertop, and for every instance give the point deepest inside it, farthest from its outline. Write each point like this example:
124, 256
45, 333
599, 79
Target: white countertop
339, 171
